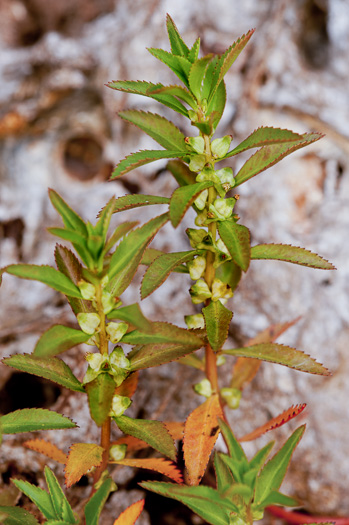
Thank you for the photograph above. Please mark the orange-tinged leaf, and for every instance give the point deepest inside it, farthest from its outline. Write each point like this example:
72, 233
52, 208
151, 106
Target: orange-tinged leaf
129, 386
276, 422
82, 457
201, 431
131, 514
175, 428
245, 368
48, 449
161, 465
132, 443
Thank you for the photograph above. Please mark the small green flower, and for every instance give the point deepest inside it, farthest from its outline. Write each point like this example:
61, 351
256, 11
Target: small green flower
222, 208
88, 322
108, 302
197, 143
88, 290
117, 452
220, 147
201, 218
200, 292
207, 174
231, 396
203, 388
197, 162
220, 290
226, 178
119, 405
194, 321
116, 331
117, 358
200, 201
221, 360
197, 267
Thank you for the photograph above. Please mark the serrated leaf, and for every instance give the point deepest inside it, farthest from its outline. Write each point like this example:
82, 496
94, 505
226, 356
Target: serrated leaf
16, 516
32, 419
178, 91
194, 51
127, 202
133, 444
69, 235
152, 432
277, 498
146, 89
56, 493
236, 237
178, 64
133, 315
229, 273
47, 275
260, 457
128, 254
100, 393
50, 368
235, 450
283, 355
265, 136
275, 422
217, 321
81, 458
269, 155
246, 368
70, 218
201, 431
163, 333
182, 198
118, 233
129, 386
161, 268
223, 475
227, 59
38, 496
274, 471
161, 465
181, 172
149, 355
48, 449
135, 160
216, 106
178, 46
130, 515
292, 254
204, 501
197, 74
95, 504
158, 128
58, 339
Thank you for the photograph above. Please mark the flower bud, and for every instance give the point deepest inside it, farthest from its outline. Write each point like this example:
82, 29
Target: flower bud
197, 162
201, 218
105, 281
193, 115
88, 322
207, 174
116, 331
194, 321
203, 388
235, 520
223, 208
117, 452
197, 143
200, 292
200, 201
231, 396
118, 359
108, 302
226, 176
96, 360
119, 405
220, 147
220, 290
88, 290
221, 360
197, 267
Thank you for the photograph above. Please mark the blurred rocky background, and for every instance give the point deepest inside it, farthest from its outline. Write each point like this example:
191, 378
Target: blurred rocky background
59, 129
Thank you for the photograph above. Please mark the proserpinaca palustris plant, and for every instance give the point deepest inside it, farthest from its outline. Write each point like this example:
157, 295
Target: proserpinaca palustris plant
221, 251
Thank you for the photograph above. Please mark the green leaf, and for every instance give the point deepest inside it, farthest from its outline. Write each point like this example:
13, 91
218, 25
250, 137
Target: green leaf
163, 333
181, 172
146, 89
161, 268
236, 237
194, 51
283, 355
16, 516
216, 106
50, 368
69, 235
265, 136
133, 315
182, 198
223, 475
274, 471
46, 275
197, 74
217, 321
178, 46
229, 273
95, 504
260, 457
58, 339
119, 232
127, 256
158, 128
177, 91
71, 220
57, 495
135, 160
269, 155
227, 59
152, 432
127, 202
148, 355
277, 498
32, 419
292, 254
100, 393
102, 226
38, 496
67, 513
234, 448
178, 64
204, 501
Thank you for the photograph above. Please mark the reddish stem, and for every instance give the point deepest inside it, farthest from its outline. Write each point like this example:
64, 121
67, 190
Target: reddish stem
297, 518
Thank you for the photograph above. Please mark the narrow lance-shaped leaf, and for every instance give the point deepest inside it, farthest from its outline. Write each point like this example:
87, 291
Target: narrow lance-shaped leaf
292, 254
194, 51
201, 431
224, 477
178, 91
32, 419
182, 198
161, 465
135, 160
127, 256
152, 432
133, 315
148, 355
59, 501
217, 321
163, 333
50, 368
82, 457
158, 128
197, 73
95, 504
181, 172
46, 275
38, 496
127, 202
236, 237
70, 218
16, 516
283, 355
130, 515
161, 268
235, 450
269, 155
100, 393
178, 46
58, 339
118, 233
48, 449
277, 498
178, 64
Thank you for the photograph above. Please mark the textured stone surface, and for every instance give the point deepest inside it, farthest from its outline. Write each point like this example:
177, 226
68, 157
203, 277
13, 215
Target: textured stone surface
58, 129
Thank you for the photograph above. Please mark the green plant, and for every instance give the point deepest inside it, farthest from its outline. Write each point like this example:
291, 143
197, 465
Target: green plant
221, 251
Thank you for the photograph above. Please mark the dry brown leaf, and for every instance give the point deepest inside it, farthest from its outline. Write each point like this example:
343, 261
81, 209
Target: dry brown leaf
131, 514
161, 465
48, 449
132, 443
82, 457
175, 428
129, 386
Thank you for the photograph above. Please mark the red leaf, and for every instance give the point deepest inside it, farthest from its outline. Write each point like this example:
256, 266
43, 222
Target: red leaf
161, 465
131, 514
48, 449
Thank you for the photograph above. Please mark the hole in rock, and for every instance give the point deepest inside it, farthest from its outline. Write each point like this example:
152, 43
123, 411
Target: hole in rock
83, 157
22, 390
